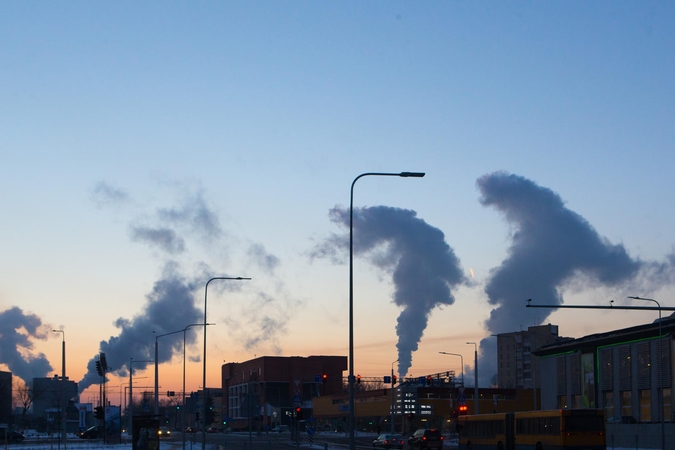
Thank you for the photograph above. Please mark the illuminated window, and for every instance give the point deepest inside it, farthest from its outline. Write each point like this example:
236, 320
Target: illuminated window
626, 406
667, 405
609, 404
645, 405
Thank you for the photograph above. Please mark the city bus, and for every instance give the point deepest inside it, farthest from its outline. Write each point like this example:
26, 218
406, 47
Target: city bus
578, 429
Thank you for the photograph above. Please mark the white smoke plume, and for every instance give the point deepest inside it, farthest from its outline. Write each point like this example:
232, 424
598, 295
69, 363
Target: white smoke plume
422, 265
169, 307
17, 332
170, 232
551, 246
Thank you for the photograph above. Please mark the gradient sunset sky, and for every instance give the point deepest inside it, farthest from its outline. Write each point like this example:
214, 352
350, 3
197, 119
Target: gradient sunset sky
145, 147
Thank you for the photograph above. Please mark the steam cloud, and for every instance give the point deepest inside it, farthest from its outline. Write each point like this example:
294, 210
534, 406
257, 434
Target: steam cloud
16, 331
550, 246
170, 306
423, 266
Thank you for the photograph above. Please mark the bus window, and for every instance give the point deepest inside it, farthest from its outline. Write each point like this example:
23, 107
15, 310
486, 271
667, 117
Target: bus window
584, 423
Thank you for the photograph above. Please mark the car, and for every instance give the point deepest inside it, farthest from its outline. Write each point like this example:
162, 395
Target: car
8, 434
389, 441
90, 433
424, 438
280, 429
164, 432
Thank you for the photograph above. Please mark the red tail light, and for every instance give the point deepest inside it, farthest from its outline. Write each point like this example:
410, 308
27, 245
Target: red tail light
441, 438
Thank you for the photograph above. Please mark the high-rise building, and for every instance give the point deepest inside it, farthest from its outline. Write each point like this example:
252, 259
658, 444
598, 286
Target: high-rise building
517, 367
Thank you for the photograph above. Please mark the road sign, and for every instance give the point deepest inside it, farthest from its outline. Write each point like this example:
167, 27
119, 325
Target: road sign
461, 398
297, 400
387, 379
310, 431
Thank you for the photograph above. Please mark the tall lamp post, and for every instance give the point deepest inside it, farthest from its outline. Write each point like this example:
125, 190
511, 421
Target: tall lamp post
660, 381
157, 361
64, 400
206, 290
350, 379
475, 374
126, 386
183, 405
392, 396
461, 359
131, 392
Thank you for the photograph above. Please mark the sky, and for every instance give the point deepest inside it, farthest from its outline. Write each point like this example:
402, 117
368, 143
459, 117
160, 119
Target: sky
147, 147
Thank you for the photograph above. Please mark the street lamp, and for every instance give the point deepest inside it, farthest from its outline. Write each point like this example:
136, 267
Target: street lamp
206, 289
475, 374
350, 379
64, 400
157, 361
660, 382
392, 396
125, 396
462, 361
183, 406
131, 394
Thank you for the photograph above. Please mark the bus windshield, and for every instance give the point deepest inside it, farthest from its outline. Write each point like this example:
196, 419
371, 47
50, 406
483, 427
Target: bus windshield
584, 423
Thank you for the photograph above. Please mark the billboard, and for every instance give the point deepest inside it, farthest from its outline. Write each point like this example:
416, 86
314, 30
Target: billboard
113, 425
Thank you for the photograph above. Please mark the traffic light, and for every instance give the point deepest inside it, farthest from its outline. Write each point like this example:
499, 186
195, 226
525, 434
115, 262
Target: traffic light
98, 368
99, 413
393, 380
298, 413
428, 380
104, 362
358, 379
324, 378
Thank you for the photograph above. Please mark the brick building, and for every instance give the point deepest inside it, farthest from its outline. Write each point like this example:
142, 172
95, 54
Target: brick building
262, 392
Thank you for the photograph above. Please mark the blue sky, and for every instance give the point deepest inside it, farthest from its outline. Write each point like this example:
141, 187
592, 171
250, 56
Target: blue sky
264, 112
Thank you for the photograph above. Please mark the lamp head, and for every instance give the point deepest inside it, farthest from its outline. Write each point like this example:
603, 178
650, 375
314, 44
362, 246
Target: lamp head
412, 174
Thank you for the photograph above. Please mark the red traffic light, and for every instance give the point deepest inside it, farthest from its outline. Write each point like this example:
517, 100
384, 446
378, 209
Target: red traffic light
358, 378
324, 377
393, 379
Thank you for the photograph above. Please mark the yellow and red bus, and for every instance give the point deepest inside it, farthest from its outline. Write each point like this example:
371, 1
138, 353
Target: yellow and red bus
568, 429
